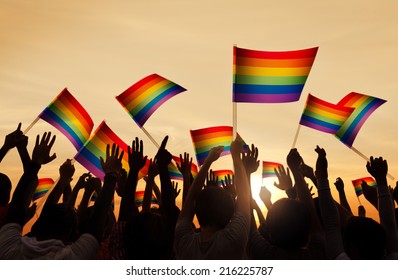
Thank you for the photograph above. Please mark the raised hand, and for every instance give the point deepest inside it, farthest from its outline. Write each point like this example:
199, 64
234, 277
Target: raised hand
228, 185
321, 164
378, 168
176, 190
136, 155
339, 184
41, 151
186, 165
14, 138
163, 157
370, 194
66, 170
113, 161
211, 180
265, 196
250, 160
285, 181
294, 160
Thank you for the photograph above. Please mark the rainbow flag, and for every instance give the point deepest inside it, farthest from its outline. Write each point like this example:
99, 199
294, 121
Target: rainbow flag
139, 198
324, 116
143, 98
363, 105
268, 168
67, 115
358, 184
270, 77
43, 186
89, 155
221, 174
206, 138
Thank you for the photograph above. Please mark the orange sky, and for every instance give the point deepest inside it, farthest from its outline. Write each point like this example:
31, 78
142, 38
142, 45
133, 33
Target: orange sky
99, 48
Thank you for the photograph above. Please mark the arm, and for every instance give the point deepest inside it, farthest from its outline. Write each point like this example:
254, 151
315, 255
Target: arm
111, 167
185, 169
265, 196
150, 181
330, 215
79, 185
26, 186
261, 218
128, 207
378, 169
188, 210
343, 199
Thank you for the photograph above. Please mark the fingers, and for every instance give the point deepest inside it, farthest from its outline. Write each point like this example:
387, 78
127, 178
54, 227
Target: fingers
164, 142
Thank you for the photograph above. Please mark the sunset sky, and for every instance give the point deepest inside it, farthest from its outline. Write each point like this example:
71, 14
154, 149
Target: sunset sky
97, 49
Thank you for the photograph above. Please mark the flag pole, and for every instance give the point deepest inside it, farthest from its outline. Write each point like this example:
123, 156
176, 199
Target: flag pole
31, 125
150, 137
234, 119
359, 201
367, 159
296, 136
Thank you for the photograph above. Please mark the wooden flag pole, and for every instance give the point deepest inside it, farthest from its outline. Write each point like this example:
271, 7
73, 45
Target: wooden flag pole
150, 137
234, 119
31, 125
296, 136
367, 159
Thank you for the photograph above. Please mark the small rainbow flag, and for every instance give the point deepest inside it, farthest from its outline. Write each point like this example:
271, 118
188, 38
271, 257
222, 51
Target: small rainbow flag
143, 98
324, 116
139, 198
67, 115
221, 174
270, 77
205, 139
43, 186
89, 155
363, 105
268, 168
358, 184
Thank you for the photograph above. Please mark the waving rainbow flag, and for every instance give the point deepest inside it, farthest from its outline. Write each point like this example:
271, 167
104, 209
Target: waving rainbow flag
43, 186
205, 139
139, 198
268, 168
324, 116
270, 77
143, 98
363, 105
89, 155
67, 115
221, 174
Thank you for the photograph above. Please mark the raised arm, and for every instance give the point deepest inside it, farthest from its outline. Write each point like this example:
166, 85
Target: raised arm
342, 197
285, 182
329, 212
150, 182
188, 209
378, 168
26, 186
185, 169
79, 185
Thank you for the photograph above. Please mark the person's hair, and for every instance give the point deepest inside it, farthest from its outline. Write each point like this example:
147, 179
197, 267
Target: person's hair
56, 221
364, 239
214, 206
288, 224
147, 237
5, 189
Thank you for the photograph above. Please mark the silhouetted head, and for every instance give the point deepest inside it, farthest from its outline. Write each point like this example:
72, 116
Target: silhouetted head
364, 239
85, 221
5, 189
56, 221
147, 237
214, 207
288, 224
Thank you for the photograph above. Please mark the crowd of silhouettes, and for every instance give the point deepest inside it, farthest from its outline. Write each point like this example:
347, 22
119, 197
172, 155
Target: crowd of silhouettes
307, 224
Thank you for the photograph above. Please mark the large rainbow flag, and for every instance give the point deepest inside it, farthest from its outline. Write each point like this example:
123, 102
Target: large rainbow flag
139, 198
363, 105
270, 77
143, 98
89, 155
43, 186
67, 115
268, 168
324, 116
205, 139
